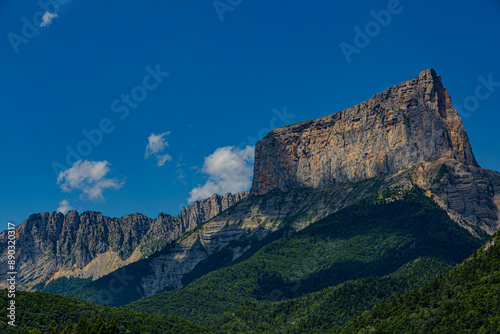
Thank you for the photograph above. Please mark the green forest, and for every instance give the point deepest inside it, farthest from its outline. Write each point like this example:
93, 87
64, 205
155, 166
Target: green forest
466, 300
50, 313
328, 309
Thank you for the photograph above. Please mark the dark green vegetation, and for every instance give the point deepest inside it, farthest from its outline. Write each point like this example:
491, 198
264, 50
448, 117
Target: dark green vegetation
44, 312
97, 326
442, 170
313, 281
62, 285
328, 309
373, 237
466, 300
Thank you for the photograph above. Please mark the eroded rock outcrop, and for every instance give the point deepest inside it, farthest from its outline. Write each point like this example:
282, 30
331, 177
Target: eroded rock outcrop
470, 194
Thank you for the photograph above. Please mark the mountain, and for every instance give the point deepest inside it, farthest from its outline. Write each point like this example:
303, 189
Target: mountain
410, 125
407, 135
392, 179
371, 238
466, 300
90, 245
236, 232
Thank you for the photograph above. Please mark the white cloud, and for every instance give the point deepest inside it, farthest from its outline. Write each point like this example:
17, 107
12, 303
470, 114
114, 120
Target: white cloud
229, 169
89, 177
163, 158
156, 145
47, 19
64, 207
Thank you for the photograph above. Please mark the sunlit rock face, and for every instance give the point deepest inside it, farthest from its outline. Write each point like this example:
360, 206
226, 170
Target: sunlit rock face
394, 130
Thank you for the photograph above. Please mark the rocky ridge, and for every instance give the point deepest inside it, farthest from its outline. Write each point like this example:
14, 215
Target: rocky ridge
92, 245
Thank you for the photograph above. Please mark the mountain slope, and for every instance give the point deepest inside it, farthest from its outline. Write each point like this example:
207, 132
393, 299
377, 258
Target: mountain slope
466, 300
330, 308
373, 237
238, 231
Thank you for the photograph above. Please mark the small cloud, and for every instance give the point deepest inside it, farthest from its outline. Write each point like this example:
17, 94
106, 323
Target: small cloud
229, 169
156, 145
47, 19
64, 207
179, 174
88, 177
179, 162
163, 158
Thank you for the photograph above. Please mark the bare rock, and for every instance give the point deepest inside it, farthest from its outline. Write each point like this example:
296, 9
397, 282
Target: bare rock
406, 124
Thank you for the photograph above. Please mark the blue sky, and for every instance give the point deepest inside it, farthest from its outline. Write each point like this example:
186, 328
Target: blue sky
169, 85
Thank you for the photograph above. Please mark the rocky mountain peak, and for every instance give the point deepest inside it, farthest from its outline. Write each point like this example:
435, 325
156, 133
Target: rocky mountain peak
407, 123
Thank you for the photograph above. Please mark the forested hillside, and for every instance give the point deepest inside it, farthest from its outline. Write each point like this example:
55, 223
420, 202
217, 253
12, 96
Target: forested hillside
330, 308
374, 237
466, 300
50, 313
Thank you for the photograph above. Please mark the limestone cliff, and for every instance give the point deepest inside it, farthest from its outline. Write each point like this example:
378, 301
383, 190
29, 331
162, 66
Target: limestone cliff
470, 194
407, 123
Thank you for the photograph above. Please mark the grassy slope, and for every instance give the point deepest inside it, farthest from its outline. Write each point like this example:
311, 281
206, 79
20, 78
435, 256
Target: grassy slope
466, 300
371, 238
39, 310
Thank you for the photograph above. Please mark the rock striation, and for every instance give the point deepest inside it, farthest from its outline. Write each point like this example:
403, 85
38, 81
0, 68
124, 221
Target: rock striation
394, 130
470, 194
92, 245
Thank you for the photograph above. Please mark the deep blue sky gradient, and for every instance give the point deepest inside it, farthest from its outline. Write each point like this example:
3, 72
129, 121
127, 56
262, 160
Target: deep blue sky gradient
225, 79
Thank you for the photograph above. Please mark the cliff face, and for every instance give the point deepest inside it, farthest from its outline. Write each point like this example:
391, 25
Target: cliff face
412, 125
92, 245
407, 123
